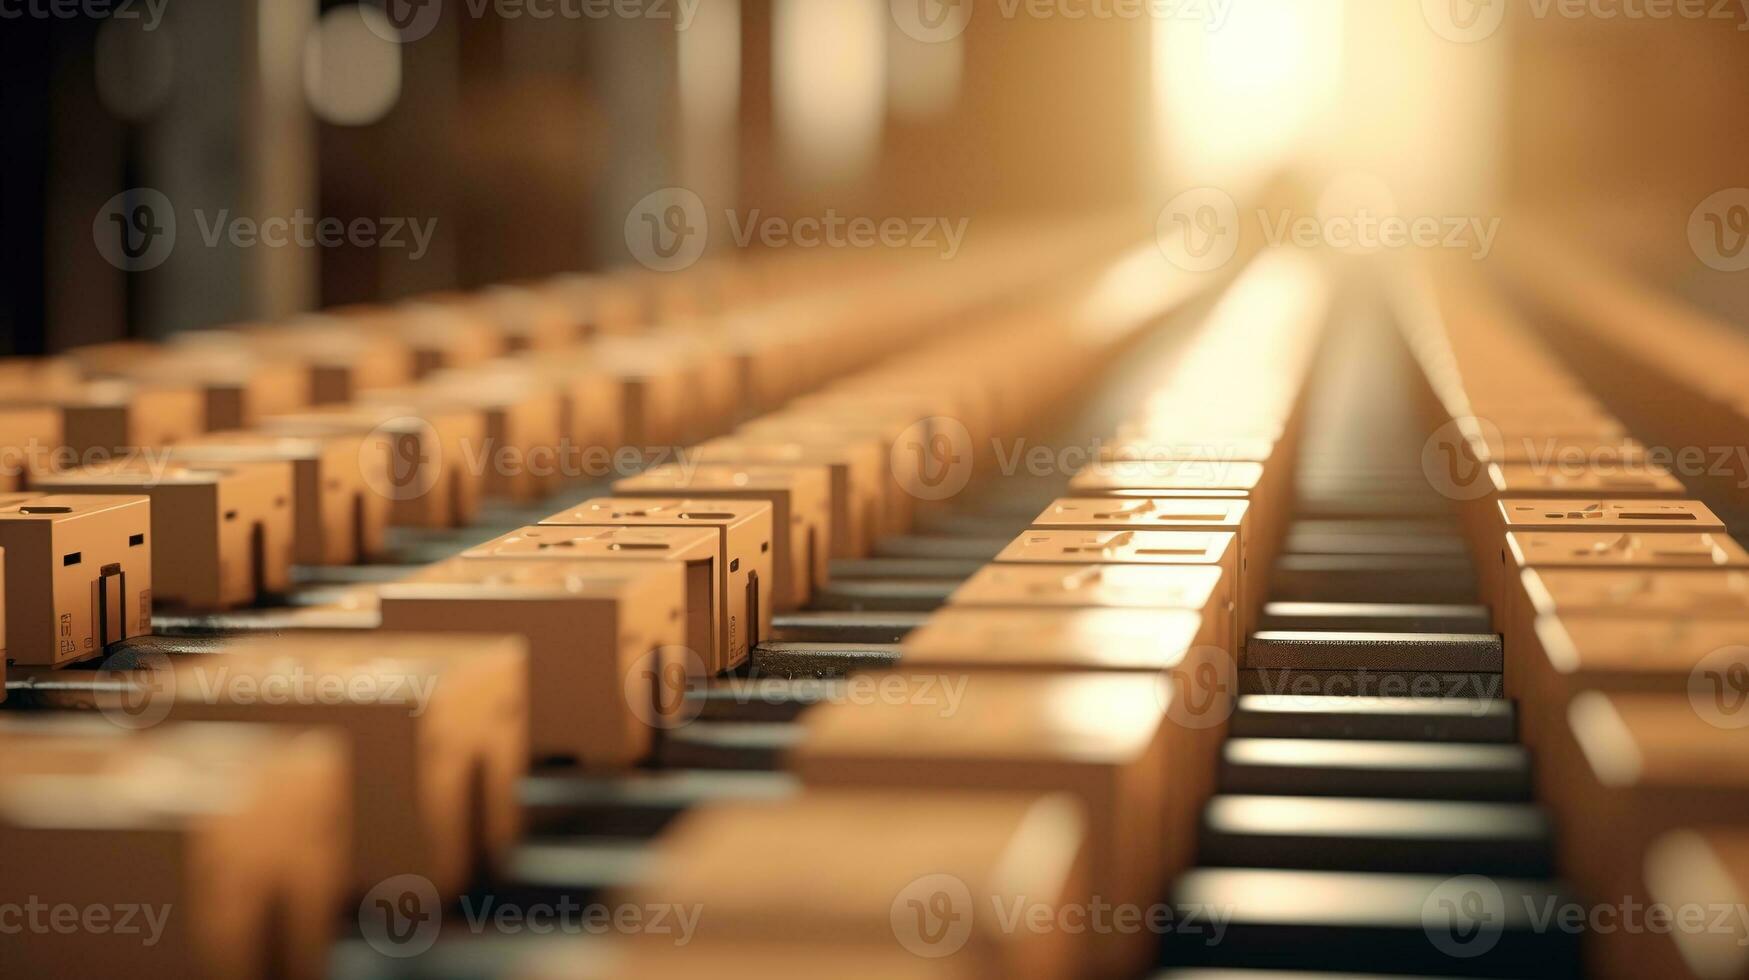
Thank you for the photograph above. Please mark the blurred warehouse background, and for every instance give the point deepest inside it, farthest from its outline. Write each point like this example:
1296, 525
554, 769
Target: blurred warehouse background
522, 133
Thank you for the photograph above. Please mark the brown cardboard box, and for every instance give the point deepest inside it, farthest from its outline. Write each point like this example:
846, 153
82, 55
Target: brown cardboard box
1549, 482
712, 637
800, 544
664, 959
597, 633
1217, 548
344, 359
527, 319
197, 851
430, 447
1185, 478
856, 489
337, 518
813, 427
1202, 479
436, 725
453, 495
591, 404
104, 419
1703, 869
1494, 564
653, 393
441, 336
1275, 456
1603, 651
713, 379
78, 574
1647, 763
237, 385
1620, 550
1140, 641
744, 560
780, 873
1661, 594
223, 534
524, 420
1174, 514
1195, 588
36, 375
1671, 593
1103, 737
30, 442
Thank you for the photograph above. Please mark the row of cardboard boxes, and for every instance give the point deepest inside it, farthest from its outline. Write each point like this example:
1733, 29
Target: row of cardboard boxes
1624, 610
1045, 742
400, 417
1627, 335
555, 639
